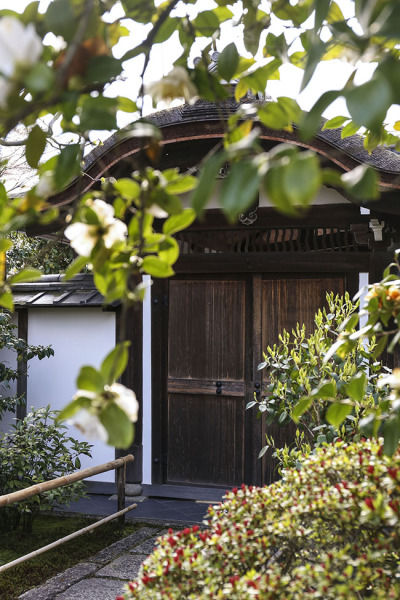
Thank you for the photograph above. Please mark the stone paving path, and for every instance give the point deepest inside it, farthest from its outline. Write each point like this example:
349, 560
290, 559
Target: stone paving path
103, 575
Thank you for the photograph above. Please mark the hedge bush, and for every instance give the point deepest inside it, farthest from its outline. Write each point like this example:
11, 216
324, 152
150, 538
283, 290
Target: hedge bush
327, 530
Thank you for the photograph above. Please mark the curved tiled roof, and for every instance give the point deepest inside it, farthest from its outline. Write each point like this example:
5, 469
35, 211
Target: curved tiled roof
381, 158
204, 121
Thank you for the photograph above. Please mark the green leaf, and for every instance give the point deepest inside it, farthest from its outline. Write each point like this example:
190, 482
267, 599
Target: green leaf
128, 188
349, 129
294, 181
391, 436
119, 428
361, 183
337, 412
300, 408
313, 58
139, 10
5, 244
40, 78
311, 121
179, 222
228, 62
35, 146
3, 194
369, 102
156, 267
335, 14
263, 451
98, 113
7, 300
257, 80
115, 363
275, 45
169, 26
126, 104
102, 69
206, 23
75, 267
68, 411
90, 379
169, 250
326, 390
68, 165
207, 181
181, 184
321, 12
357, 386
239, 189
223, 13
335, 122
24, 276
60, 19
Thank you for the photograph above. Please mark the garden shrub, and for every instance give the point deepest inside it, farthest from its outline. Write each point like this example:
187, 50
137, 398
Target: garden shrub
303, 387
327, 530
36, 450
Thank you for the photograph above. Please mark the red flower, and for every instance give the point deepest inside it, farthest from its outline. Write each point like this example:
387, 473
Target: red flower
370, 503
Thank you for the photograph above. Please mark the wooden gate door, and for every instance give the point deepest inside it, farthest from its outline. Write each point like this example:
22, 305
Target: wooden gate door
218, 326
206, 381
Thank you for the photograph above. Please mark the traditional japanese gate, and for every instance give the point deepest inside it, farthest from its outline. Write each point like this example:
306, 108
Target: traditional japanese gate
225, 305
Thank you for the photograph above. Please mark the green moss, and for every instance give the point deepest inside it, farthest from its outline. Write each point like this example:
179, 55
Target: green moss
46, 529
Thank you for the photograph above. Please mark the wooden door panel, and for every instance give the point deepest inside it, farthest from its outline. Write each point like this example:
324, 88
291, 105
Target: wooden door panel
206, 440
206, 387
206, 329
286, 302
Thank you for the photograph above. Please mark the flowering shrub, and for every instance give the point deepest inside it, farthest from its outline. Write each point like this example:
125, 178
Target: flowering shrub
328, 530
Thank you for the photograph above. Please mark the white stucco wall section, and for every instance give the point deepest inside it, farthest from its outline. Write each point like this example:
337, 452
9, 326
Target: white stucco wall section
9, 358
147, 457
79, 337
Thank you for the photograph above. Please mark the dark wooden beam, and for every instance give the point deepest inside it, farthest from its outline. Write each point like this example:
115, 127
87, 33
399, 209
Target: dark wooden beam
22, 366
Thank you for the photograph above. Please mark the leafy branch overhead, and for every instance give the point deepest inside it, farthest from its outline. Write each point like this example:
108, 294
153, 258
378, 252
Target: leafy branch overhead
58, 67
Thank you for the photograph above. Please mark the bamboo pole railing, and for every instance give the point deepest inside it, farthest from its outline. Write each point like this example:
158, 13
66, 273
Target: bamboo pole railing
119, 464
45, 486
71, 536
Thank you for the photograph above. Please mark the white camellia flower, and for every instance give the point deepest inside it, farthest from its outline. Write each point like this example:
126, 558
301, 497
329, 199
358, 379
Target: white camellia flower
125, 399
392, 380
20, 48
84, 237
157, 211
89, 424
176, 84
45, 185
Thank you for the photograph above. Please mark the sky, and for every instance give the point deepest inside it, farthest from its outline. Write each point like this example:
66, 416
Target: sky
329, 75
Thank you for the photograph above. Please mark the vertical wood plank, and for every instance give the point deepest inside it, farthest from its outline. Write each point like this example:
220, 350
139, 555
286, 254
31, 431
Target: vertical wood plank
130, 326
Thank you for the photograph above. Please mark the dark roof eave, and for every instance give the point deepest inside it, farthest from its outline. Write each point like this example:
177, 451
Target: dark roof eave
202, 121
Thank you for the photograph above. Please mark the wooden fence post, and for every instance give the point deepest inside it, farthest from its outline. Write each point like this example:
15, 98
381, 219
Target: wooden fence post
121, 479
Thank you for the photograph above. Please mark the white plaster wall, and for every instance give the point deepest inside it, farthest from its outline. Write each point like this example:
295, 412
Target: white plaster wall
79, 336
147, 417
9, 358
325, 196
